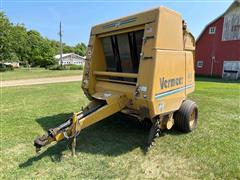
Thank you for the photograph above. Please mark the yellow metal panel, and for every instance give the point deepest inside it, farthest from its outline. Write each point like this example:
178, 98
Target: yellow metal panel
125, 22
189, 41
148, 41
135, 28
116, 74
169, 81
95, 63
190, 72
170, 32
147, 63
128, 90
115, 81
115, 103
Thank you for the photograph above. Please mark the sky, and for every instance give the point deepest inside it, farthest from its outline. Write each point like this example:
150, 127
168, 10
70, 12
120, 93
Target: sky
78, 16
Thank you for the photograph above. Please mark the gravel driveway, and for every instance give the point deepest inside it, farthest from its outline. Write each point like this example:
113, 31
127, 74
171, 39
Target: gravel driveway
25, 82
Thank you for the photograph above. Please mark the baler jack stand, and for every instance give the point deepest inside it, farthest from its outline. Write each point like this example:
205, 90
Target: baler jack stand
73, 146
104, 105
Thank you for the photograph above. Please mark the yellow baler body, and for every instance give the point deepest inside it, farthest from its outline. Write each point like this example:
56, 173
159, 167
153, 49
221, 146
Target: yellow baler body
166, 68
141, 65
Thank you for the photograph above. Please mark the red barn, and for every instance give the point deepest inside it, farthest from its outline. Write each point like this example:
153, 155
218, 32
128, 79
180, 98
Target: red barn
218, 46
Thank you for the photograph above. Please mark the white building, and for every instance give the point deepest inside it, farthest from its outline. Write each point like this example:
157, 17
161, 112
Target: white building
71, 58
13, 64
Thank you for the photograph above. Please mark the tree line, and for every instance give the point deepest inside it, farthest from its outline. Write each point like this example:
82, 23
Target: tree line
28, 46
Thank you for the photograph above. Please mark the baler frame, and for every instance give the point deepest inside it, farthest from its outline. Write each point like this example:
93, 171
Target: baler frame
141, 65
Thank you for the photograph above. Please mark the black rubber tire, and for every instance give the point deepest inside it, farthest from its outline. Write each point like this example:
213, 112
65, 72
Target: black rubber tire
182, 117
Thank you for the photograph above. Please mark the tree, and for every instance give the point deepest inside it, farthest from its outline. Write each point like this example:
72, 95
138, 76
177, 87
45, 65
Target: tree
67, 49
18, 44
80, 49
40, 51
5, 44
55, 46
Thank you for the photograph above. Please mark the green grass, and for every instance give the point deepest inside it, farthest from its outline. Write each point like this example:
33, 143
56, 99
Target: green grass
113, 148
34, 73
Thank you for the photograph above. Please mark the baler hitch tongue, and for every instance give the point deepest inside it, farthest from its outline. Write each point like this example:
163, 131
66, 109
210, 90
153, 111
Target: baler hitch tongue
65, 130
94, 112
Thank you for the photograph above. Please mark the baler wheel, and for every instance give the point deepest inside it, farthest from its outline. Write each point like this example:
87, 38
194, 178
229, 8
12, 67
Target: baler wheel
185, 119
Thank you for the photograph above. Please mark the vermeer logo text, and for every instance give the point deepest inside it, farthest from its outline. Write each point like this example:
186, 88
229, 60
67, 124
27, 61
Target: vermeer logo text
167, 83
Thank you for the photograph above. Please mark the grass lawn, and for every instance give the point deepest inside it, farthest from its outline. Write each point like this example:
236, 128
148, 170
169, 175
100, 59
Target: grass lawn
113, 148
36, 73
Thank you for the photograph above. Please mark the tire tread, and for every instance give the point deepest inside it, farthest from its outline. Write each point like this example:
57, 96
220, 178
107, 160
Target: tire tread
182, 116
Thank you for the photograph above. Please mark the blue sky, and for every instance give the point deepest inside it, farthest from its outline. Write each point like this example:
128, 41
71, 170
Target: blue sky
78, 16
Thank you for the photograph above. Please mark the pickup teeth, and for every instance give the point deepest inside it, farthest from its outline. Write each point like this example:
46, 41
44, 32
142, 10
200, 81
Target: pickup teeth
153, 133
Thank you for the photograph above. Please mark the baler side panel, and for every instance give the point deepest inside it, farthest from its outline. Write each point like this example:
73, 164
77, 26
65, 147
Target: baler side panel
95, 62
169, 85
190, 72
147, 63
170, 31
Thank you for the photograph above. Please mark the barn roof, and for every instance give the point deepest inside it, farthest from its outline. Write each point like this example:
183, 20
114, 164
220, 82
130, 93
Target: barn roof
236, 3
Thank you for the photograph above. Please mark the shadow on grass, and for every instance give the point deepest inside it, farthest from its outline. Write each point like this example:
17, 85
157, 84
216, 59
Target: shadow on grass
112, 136
216, 79
54, 152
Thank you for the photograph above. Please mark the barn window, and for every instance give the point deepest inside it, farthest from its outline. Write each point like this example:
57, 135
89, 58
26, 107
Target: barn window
212, 30
199, 64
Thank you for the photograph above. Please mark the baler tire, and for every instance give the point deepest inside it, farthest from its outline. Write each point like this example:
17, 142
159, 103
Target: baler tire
183, 120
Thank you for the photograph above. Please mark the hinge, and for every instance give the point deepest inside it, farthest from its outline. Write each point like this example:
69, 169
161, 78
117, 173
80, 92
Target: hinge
147, 38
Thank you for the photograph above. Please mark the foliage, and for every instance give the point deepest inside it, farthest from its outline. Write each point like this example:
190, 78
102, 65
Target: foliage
80, 49
24, 64
57, 67
75, 67
19, 44
5, 35
4, 67
66, 67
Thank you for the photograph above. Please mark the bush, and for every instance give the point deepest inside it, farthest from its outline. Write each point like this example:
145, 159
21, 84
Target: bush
66, 67
75, 67
56, 67
23, 64
4, 67
9, 67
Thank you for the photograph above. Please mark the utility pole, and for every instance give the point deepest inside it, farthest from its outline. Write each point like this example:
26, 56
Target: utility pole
61, 48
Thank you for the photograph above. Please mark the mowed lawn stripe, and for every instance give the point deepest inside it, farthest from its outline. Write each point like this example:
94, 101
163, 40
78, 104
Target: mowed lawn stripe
36, 73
